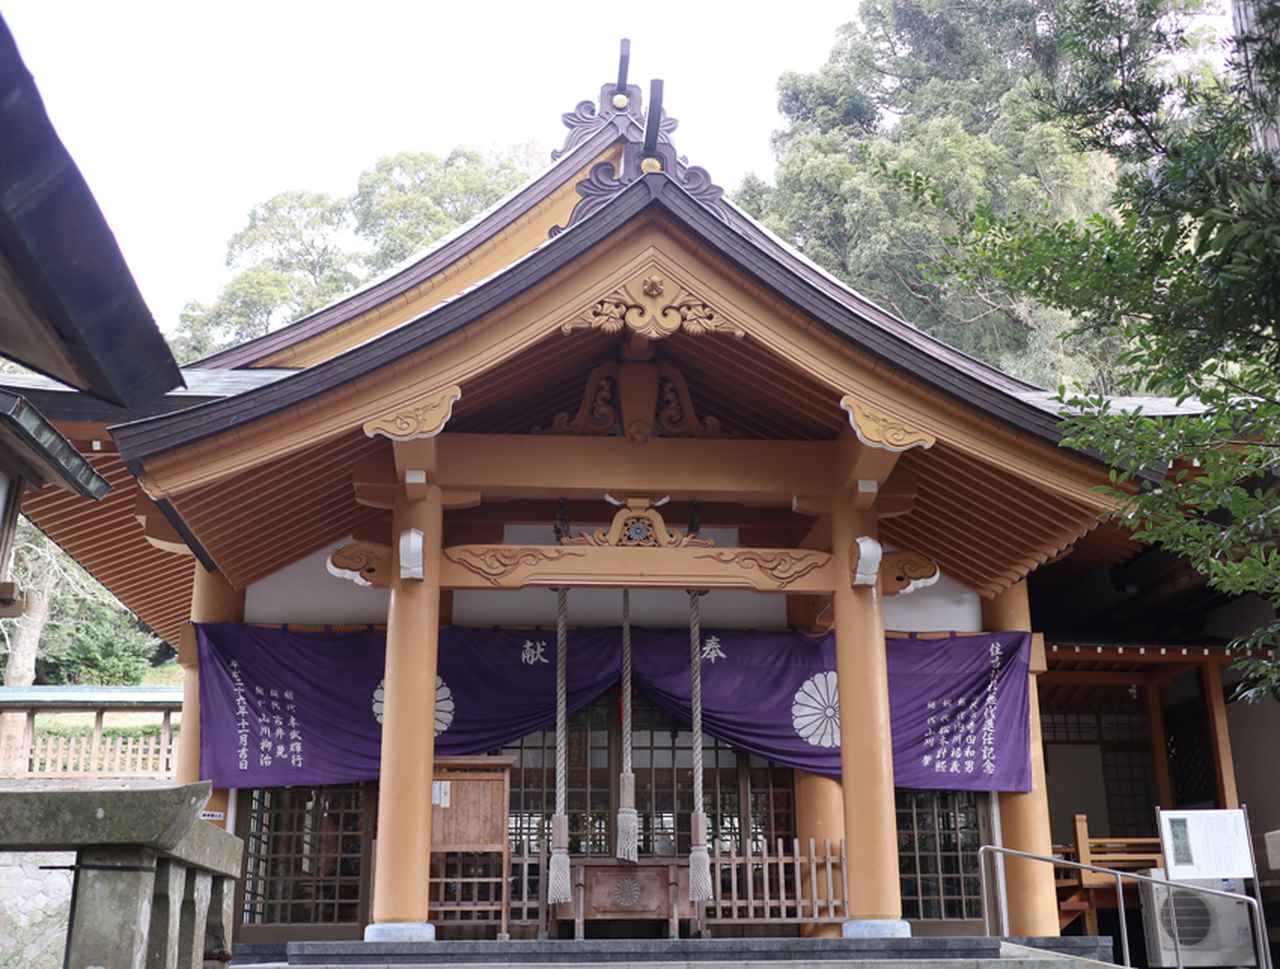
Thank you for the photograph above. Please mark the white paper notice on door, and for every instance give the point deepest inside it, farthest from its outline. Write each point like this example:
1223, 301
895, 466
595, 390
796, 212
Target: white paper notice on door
1205, 844
440, 793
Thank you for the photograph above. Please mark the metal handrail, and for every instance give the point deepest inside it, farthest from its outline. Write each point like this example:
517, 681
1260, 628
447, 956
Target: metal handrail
1260, 948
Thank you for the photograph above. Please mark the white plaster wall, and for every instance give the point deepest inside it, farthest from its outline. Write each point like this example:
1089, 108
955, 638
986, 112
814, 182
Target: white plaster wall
945, 606
305, 592
1073, 773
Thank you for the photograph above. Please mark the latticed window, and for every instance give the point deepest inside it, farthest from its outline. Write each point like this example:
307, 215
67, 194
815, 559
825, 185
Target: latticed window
662, 760
306, 853
939, 834
533, 784
1114, 721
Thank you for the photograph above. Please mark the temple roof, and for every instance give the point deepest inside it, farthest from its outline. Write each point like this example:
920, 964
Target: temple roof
732, 236
616, 190
68, 304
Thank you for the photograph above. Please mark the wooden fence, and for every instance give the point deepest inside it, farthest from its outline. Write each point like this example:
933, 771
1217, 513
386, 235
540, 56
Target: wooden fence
96, 755
796, 886
27, 750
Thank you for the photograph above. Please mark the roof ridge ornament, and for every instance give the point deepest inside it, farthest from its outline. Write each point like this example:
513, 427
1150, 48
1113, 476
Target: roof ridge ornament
648, 147
619, 104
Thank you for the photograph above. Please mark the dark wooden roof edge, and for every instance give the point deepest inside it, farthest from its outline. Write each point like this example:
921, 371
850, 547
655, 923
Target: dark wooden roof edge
62, 406
34, 448
818, 277
65, 256
59, 402
143, 439
439, 257
171, 515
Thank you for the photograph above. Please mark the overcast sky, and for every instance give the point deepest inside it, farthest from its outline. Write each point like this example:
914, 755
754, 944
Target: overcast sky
183, 115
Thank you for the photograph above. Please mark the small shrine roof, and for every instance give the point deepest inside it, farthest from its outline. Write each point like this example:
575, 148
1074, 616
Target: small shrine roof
69, 306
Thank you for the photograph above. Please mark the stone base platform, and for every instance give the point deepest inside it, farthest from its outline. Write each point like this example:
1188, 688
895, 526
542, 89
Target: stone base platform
952, 952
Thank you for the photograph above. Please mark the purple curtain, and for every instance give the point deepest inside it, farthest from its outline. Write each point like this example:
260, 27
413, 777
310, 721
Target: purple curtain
280, 707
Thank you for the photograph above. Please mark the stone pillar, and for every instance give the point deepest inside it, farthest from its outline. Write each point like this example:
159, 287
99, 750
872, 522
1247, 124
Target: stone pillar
1024, 817
866, 746
408, 731
820, 818
111, 913
212, 600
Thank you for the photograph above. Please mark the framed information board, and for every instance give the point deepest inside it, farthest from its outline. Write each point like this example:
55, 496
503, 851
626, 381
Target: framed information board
1206, 844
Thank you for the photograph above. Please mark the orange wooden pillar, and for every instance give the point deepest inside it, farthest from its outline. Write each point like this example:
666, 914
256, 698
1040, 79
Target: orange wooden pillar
820, 817
403, 855
1024, 817
1223, 763
1159, 745
212, 600
866, 744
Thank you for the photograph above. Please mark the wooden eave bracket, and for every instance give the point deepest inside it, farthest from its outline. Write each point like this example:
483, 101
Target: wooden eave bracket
423, 417
879, 428
904, 572
367, 564
156, 528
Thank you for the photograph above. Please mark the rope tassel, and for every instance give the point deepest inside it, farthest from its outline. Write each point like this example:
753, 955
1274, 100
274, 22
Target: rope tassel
559, 881
700, 889
628, 827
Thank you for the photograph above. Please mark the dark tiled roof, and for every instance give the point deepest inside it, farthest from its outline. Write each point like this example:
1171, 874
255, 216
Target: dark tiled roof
592, 127
93, 328
62, 403
751, 251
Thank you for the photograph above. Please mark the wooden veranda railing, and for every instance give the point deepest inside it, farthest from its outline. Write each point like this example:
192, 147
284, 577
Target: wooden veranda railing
29, 749
792, 884
1082, 893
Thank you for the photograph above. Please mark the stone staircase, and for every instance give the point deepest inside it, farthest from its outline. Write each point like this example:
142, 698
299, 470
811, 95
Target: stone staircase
969, 952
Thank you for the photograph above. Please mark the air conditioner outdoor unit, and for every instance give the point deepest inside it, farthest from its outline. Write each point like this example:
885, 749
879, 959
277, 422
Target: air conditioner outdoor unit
1212, 931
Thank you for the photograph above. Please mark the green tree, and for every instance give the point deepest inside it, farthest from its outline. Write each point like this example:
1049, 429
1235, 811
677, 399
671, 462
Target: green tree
291, 259
301, 250
92, 642
1183, 268
947, 87
73, 629
408, 200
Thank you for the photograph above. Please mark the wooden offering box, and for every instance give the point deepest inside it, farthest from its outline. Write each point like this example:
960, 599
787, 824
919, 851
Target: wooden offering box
469, 798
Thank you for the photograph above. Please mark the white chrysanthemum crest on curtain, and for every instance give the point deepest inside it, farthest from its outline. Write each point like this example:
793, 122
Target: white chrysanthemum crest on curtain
815, 711
444, 703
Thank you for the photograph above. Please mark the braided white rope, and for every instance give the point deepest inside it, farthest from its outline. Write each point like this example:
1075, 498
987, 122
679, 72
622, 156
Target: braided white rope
699, 860
628, 839
559, 883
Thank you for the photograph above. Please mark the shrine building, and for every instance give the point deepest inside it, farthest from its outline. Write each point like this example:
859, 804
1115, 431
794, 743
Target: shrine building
610, 569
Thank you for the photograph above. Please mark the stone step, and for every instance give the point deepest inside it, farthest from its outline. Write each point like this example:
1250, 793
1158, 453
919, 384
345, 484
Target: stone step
999, 963
955, 952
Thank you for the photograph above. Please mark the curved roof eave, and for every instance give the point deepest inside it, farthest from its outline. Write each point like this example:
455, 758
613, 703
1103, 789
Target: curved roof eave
929, 361
89, 325
423, 266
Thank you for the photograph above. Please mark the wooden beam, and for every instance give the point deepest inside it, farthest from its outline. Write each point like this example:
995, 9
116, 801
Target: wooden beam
543, 511
1224, 764
520, 566
1159, 745
524, 466
1093, 678
1138, 654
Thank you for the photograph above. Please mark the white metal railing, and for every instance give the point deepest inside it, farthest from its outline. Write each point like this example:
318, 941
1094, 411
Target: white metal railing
1261, 950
